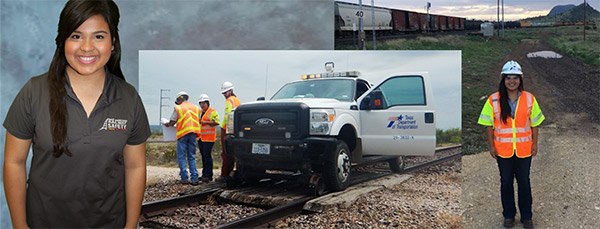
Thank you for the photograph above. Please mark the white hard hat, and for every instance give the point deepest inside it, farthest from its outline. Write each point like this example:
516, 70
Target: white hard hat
203, 98
511, 68
182, 93
226, 87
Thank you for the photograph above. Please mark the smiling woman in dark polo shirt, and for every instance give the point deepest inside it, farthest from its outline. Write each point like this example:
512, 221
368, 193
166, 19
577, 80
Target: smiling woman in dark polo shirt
87, 128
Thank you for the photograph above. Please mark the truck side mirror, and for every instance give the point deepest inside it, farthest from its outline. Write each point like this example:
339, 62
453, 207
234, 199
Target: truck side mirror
377, 102
260, 98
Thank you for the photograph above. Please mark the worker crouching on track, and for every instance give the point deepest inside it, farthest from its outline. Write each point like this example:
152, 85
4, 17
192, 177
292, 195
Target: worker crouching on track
209, 120
231, 103
185, 116
512, 116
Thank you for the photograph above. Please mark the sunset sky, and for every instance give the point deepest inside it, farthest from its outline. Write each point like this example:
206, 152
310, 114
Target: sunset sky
483, 10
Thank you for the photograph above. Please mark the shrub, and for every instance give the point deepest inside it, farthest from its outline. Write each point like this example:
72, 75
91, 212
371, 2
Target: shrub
170, 154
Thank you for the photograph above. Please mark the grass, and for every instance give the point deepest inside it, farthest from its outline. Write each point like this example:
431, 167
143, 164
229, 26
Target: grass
165, 154
570, 41
481, 56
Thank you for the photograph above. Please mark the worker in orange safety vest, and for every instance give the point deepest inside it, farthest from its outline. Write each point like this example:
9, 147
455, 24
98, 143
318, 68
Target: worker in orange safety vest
512, 116
185, 116
209, 120
231, 103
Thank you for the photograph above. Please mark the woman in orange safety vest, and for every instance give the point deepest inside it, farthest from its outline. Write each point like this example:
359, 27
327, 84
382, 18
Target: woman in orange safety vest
209, 120
511, 117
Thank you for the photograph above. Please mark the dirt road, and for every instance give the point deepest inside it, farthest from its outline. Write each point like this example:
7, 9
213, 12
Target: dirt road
565, 175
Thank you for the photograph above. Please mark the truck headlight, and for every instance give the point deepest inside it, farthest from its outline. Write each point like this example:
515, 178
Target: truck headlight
321, 121
229, 124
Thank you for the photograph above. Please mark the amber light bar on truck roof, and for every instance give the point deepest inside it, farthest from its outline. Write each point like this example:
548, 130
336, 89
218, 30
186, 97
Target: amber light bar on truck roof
331, 74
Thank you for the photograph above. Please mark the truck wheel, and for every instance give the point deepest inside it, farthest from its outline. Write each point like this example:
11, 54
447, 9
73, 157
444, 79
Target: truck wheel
397, 164
336, 172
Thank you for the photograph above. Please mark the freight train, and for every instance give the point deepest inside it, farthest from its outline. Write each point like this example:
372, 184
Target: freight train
391, 21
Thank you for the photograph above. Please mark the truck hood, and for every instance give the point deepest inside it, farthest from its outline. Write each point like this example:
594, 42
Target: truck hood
312, 102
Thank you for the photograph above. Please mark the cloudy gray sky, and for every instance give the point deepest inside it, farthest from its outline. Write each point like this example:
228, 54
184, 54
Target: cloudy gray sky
199, 72
483, 10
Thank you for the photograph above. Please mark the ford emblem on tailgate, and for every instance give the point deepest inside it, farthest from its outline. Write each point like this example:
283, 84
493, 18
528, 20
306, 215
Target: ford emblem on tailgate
264, 122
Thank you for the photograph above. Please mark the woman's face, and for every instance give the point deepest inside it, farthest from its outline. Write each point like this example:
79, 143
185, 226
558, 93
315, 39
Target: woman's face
512, 82
203, 105
88, 48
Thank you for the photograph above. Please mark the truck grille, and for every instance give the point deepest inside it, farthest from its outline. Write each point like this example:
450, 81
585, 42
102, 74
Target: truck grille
274, 120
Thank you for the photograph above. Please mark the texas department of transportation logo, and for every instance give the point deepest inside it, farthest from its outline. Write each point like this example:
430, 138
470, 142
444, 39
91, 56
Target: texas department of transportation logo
114, 124
264, 122
402, 122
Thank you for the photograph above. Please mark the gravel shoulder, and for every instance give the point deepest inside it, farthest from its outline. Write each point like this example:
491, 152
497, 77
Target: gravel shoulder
430, 199
564, 176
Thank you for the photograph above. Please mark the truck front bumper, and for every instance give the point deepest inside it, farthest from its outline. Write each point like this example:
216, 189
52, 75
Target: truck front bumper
285, 155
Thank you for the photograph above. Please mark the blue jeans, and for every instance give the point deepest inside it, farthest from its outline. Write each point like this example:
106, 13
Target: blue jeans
186, 148
207, 161
511, 168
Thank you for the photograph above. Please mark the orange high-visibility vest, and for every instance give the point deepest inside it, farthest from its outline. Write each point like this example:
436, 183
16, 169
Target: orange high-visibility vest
208, 133
187, 121
235, 102
514, 136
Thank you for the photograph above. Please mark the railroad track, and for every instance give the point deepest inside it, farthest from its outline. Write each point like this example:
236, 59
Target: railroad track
382, 38
167, 206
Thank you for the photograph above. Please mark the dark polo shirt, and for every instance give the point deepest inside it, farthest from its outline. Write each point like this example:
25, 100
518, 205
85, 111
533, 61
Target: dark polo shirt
88, 188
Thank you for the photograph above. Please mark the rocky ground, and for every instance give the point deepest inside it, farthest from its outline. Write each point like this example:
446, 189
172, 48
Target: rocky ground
430, 199
564, 176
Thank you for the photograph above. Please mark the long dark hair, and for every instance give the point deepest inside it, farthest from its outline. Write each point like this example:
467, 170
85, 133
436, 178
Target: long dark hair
75, 13
504, 106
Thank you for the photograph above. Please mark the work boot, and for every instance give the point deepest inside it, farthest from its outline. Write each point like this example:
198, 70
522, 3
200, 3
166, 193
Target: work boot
527, 223
509, 223
183, 181
195, 183
223, 179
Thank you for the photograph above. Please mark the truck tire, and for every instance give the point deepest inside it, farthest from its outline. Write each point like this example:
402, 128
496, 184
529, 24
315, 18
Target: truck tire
397, 164
336, 172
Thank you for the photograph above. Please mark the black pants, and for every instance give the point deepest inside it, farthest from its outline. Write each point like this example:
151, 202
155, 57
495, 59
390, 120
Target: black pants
207, 162
511, 168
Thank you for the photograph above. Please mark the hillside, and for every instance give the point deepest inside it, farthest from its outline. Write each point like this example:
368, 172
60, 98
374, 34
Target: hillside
572, 15
560, 9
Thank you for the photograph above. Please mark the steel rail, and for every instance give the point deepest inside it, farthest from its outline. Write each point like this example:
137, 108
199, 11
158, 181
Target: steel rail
295, 207
268, 216
165, 206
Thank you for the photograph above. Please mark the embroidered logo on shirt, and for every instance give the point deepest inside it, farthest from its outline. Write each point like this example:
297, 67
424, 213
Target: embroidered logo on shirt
114, 124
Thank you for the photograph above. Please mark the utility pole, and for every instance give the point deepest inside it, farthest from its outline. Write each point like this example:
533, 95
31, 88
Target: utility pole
361, 33
373, 20
161, 105
502, 19
498, 16
584, 22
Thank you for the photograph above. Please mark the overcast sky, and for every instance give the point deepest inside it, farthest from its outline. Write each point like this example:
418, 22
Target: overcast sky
483, 10
199, 72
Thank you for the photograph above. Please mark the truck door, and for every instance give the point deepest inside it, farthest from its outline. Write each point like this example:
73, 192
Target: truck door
397, 117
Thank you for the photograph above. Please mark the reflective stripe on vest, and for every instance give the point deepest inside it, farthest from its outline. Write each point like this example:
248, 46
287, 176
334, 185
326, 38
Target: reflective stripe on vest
517, 136
235, 102
187, 121
208, 133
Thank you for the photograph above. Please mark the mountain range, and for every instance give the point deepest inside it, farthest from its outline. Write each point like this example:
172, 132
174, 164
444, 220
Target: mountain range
568, 14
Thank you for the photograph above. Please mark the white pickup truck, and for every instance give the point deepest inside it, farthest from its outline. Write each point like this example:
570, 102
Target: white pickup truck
323, 124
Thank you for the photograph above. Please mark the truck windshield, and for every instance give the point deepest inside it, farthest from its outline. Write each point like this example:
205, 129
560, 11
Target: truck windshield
339, 89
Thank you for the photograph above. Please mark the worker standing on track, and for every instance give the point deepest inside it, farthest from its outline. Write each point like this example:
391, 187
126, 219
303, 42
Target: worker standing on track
185, 116
231, 103
512, 116
209, 120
